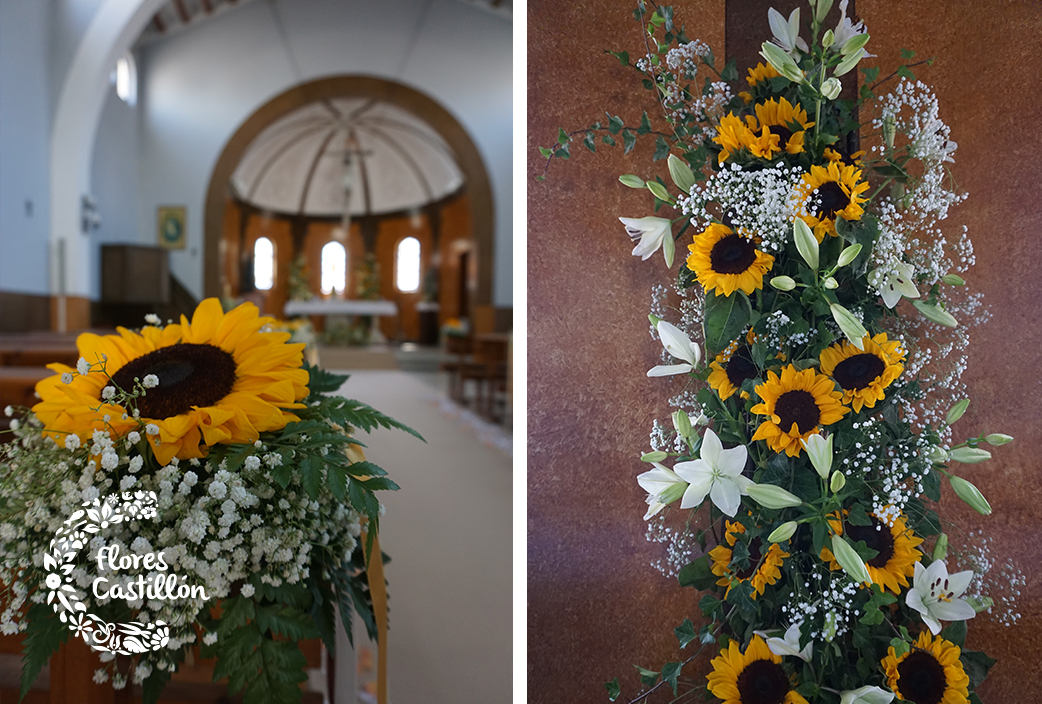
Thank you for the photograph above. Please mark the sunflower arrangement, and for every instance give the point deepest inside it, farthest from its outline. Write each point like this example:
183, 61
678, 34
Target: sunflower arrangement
255, 491
810, 447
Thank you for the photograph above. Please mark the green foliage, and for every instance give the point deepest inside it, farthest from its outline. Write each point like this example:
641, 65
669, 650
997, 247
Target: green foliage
43, 637
697, 574
613, 689
685, 632
725, 317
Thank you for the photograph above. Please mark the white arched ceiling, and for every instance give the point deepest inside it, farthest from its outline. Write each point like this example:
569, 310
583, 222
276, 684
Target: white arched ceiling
112, 31
297, 165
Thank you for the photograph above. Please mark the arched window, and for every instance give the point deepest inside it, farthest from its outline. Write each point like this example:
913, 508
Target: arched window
126, 79
407, 265
263, 264
334, 268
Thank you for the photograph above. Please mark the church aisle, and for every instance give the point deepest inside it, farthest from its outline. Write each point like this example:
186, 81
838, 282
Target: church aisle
448, 532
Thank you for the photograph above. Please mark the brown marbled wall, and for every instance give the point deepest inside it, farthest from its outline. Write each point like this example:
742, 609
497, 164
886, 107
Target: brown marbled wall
595, 606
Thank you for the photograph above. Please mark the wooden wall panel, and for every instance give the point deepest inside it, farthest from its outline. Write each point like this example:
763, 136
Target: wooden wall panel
595, 607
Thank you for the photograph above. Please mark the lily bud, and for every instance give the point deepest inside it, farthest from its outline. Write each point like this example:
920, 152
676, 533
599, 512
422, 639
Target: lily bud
783, 283
831, 88
819, 450
940, 549
850, 325
849, 560
682, 423
953, 280
831, 284
820, 13
854, 44
936, 314
999, 439
805, 243
970, 455
631, 180
980, 605
782, 532
847, 64
656, 456
681, 173
849, 254
838, 481
956, 411
782, 62
772, 496
672, 493
658, 190
937, 455
970, 494
655, 320
828, 39
889, 130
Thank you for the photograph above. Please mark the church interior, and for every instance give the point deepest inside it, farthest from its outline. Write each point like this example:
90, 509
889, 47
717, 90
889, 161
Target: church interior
347, 168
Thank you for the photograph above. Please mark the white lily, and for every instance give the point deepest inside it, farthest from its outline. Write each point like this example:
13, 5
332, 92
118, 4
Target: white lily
866, 695
935, 594
717, 474
846, 29
652, 233
789, 644
663, 487
895, 286
786, 32
680, 346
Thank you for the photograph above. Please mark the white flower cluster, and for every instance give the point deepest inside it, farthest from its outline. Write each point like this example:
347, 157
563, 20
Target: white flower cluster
896, 468
824, 602
681, 545
685, 58
1000, 581
756, 203
217, 526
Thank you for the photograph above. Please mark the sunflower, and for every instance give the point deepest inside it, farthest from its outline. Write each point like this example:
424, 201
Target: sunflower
758, 575
732, 367
831, 192
732, 135
796, 404
776, 116
864, 374
220, 381
761, 74
726, 261
753, 677
897, 547
929, 673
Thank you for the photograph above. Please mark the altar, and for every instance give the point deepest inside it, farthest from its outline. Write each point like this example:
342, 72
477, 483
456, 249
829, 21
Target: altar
374, 308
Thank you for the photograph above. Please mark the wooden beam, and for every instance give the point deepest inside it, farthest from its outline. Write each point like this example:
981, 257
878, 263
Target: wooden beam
207, 7
182, 12
157, 20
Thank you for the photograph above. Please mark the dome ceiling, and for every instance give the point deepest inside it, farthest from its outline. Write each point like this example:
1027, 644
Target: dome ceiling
371, 155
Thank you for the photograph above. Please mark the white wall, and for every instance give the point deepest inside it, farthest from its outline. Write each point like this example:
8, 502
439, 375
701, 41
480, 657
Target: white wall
114, 181
24, 146
201, 84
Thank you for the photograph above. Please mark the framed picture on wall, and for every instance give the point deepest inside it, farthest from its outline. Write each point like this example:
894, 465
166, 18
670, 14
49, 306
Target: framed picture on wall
170, 226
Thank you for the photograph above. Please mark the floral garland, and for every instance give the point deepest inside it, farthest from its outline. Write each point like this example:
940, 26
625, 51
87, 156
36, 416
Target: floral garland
242, 485
819, 320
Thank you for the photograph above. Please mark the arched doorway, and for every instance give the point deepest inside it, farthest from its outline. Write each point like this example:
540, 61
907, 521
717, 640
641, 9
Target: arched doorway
470, 206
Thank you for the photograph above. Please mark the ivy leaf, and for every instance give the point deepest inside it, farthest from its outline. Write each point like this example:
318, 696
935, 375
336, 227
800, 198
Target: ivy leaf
628, 140
613, 689
697, 574
685, 632
976, 665
622, 56
730, 72
615, 123
547, 153
645, 124
670, 672
589, 143
648, 678
661, 149
725, 318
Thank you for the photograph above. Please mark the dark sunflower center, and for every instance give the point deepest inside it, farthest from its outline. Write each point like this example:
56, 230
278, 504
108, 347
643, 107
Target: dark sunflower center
763, 682
739, 368
797, 407
733, 254
922, 678
189, 375
783, 132
832, 200
882, 541
754, 559
858, 371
